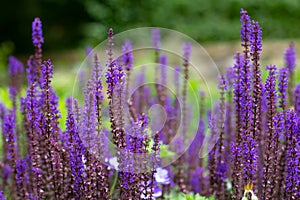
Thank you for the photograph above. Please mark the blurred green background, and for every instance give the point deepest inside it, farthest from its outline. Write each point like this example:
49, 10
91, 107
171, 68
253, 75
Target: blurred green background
69, 24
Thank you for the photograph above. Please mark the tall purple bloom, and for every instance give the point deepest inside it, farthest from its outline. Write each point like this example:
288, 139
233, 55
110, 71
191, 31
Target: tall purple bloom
8, 128
52, 160
221, 167
161, 87
115, 79
33, 137
237, 144
290, 64
15, 70
114, 73
156, 43
187, 48
15, 66
98, 91
297, 99
128, 63
293, 156
196, 168
37, 41
290, 58
31, 71
282, 87
21, 186
249, 145
255, 139
272, 139
163, 61
76, 150
88, 123
37, 33
127, 55
49, 99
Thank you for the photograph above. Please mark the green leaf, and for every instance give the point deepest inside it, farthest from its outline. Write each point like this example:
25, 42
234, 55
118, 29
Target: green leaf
164, 152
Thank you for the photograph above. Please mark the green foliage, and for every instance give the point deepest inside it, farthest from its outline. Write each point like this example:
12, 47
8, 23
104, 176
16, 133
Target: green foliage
165, 152
197, 197
180, 196
201, 19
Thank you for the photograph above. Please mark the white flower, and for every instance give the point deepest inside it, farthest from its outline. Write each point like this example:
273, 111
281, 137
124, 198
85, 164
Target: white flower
114, 163
161, 176
253, 196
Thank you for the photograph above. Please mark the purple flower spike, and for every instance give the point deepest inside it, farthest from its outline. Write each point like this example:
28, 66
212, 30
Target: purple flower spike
187, 48
111, 44
15, 70
290, 64
282, 87
9, 134
272, 139
76, 150
297, 99
20, 179
37, 40
293, 156
290, 58
88, 50
256, 41
37, 33
15, 66
246, 27
127, 55
31, 70
256, 48
237, 144
156, 44
230, 76
13, 94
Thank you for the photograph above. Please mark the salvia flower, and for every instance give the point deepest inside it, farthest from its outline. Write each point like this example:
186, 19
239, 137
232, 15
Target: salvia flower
156, 43
290, 58
10, 136
297, 99
37, 33
237, 144
21, 179
127, 55
282, 87
76, 150
31, 70
16, 70
15, 66
293, 156
290, 64
256, 48
246, 98
187, 48
245, 27
272, 140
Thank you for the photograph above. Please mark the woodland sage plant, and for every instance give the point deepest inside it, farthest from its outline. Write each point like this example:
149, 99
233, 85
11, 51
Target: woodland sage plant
256, 125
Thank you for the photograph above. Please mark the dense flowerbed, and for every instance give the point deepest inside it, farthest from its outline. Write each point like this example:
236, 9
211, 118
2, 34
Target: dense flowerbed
253, 131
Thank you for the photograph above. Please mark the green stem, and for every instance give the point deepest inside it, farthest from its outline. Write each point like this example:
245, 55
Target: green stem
114, 183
